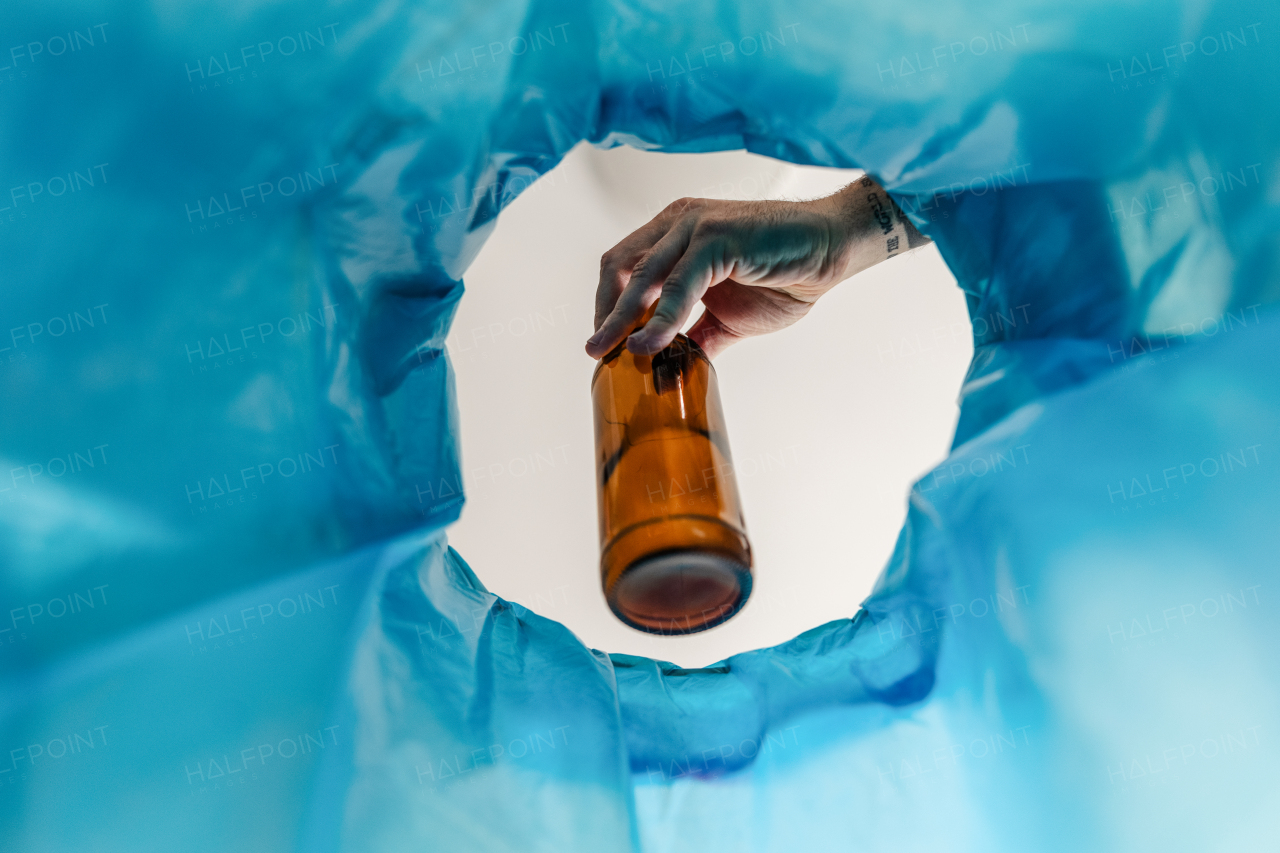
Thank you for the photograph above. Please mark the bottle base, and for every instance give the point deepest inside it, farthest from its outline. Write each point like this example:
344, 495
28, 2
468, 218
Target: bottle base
680, 591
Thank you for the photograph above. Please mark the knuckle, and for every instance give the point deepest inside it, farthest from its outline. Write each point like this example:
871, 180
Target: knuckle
641, 270
682, 205
711, 227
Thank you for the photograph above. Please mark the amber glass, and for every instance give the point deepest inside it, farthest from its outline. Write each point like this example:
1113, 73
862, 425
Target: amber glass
674, 556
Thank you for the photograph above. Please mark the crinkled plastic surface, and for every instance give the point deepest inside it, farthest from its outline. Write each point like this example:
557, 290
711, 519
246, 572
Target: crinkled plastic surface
233, 239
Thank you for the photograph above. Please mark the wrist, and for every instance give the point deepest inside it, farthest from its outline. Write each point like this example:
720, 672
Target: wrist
871, 227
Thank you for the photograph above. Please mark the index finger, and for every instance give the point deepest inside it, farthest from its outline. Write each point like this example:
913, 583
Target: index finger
617, 263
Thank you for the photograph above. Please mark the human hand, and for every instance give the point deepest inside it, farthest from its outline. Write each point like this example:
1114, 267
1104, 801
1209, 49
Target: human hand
757, 266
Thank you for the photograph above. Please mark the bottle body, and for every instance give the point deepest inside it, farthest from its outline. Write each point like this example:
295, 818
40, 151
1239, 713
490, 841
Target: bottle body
674, 558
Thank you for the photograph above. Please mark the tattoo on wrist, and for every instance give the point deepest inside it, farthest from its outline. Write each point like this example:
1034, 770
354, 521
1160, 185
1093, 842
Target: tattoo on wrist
894, 225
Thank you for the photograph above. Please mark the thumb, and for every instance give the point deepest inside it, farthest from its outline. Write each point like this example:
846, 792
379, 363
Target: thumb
712, 335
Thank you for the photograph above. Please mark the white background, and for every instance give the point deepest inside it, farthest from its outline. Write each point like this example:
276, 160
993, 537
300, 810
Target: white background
829, 421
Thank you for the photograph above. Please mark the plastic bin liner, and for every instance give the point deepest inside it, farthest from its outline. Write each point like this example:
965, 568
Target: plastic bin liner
233, 238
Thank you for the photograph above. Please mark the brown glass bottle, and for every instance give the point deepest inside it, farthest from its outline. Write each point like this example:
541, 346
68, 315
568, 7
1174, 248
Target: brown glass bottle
674, 555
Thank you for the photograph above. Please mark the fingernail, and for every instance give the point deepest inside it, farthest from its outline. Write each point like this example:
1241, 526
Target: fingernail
593, 340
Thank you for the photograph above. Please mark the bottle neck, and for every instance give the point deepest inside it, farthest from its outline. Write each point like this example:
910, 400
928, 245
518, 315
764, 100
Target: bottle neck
681, 344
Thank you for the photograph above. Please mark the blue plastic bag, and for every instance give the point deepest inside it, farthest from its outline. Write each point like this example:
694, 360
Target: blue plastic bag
233, 241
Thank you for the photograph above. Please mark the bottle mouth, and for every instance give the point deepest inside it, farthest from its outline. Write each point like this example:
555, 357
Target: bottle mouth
682, 345
680, 592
